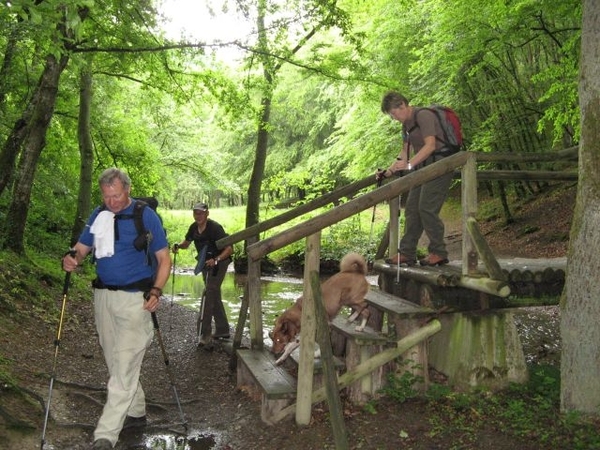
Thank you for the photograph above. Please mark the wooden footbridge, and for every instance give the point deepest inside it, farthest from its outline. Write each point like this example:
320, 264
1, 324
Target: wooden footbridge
456, 318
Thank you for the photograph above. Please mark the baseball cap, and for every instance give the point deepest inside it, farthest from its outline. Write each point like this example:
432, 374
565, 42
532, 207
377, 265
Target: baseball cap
200, 207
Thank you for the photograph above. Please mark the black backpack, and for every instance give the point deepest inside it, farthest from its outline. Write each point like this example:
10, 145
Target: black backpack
144, 236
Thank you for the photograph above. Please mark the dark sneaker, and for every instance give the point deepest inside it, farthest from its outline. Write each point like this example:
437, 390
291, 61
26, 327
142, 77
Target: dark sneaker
433, 260
134, 422
204, 341
224, 335
102, 444
401, 259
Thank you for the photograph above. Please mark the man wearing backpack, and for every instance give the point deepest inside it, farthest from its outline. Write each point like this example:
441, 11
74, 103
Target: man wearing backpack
423, 144
212, 263
127, 289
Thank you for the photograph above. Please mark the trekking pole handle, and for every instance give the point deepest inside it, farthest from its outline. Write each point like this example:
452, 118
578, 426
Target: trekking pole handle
72, 252
153, 313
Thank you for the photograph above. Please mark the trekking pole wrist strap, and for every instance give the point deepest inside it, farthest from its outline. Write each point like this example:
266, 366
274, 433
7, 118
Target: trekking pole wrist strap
156, 290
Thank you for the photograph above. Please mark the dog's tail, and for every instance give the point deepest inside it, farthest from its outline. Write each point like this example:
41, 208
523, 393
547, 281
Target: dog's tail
353, 262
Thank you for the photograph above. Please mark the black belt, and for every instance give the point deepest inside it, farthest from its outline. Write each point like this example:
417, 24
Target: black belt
141, 285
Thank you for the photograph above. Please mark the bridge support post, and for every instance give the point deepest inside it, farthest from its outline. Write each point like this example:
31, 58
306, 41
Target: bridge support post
480, 349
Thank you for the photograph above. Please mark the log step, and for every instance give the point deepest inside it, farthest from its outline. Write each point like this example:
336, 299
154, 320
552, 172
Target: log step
391, 304
274, 381
366, 337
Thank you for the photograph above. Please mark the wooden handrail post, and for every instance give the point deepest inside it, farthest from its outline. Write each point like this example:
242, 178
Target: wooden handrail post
254, 300
469, 210
394, 225
308, 331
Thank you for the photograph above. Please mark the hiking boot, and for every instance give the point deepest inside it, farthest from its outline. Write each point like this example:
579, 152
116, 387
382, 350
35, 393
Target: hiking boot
433, 260
134, 422
204, 341
102, 444
221, 336
401, 259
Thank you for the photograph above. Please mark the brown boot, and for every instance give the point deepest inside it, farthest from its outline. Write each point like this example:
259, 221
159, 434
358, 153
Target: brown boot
433, 260
401, 259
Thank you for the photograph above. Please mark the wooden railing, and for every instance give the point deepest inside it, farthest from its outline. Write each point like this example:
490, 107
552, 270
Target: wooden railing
474, 244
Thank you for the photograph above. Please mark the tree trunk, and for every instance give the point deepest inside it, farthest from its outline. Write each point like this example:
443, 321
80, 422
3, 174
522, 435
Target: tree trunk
86, 151
258, 169
42, 104
580, 358
260, 157
10, 149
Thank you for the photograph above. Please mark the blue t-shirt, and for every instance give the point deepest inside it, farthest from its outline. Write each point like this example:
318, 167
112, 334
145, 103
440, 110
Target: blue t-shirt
127, 265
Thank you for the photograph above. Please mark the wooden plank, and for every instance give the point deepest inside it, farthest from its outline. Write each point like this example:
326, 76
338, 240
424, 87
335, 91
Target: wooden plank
366, 337
396, 305
274, 381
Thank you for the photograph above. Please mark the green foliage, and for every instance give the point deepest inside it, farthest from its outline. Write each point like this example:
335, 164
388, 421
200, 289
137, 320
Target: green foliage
528, 410
32, 285
403, 387
7, 380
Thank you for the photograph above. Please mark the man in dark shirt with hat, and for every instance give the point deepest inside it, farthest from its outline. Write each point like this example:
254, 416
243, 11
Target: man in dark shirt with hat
212, 262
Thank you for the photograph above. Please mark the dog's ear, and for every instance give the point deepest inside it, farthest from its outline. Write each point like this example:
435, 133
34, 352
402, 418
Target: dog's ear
292, 329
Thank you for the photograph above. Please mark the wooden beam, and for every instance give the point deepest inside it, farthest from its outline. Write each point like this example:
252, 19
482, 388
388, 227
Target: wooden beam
571, 153
527, 175
336, 410
469, 209
310, 296
255, 303
484, 251
487, 285
255, 230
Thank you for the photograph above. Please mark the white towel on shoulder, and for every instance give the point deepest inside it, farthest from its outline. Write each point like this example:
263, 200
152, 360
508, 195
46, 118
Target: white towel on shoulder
103, 230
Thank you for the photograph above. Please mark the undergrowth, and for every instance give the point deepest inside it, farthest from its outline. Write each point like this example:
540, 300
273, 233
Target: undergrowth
529, 411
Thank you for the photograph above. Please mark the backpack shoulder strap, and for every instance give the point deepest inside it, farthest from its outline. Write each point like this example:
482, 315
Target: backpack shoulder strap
417, 111
138, 213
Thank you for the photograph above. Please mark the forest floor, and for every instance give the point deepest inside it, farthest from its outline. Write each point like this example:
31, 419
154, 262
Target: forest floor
220, 416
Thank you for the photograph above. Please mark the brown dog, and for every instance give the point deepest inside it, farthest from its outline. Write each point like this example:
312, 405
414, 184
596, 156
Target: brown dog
348, 287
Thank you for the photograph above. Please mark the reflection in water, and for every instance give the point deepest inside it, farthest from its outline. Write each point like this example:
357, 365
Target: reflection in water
195, 441
277, 293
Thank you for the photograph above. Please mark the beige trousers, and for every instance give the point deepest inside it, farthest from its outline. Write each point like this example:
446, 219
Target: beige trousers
125, 331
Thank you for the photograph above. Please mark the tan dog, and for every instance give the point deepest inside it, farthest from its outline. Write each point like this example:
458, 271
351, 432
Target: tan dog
348, 287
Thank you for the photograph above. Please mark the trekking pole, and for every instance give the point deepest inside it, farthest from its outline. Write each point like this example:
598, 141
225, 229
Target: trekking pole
399, 237
169, 371
202, 306
201, 314
172, 291
370, 259
56, 345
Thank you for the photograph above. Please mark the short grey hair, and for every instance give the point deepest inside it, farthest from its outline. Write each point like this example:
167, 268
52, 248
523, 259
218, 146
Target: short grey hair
108, 177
